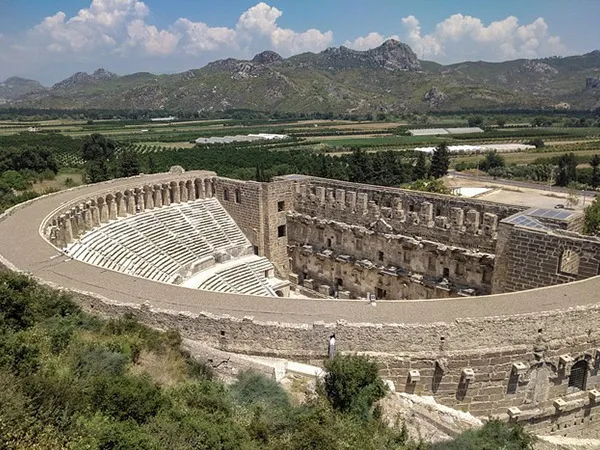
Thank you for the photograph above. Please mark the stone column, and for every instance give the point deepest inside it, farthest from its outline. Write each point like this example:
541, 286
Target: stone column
131, 204
104, 215
362, 201
183, 193
397, 209
166, 195
140, 200
472, 222
87, 217
95, 215
112, 209
67, 228
320, 193
351, 199
457, 217
157, 197
426, 213
121, 206
490, 224
340, 198
330, 196
175, 194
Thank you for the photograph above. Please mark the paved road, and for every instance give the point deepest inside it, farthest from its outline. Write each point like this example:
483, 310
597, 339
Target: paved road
23, 246
524, 184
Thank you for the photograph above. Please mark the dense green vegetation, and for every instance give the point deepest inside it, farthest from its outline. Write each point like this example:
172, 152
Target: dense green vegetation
71, 380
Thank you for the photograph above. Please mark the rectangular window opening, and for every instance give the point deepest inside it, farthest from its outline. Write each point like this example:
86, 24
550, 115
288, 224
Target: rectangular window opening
280, 206
281, 231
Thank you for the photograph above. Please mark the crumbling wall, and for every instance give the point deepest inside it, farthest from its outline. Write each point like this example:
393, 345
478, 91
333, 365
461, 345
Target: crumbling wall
452, 220
370, 260
529, 258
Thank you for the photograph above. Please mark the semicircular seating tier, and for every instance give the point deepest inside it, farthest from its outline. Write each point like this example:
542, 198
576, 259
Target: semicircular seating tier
179, 242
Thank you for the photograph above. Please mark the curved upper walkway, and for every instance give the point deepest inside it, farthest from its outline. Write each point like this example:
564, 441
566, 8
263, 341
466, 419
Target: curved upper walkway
22, 245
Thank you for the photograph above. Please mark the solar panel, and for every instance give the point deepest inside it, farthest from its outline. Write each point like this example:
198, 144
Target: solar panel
525, 221
557, 214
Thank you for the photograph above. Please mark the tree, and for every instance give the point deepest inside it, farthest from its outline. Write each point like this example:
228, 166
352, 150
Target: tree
98, 151
492, 160
475, 121
420, 168
98, 147
500, 121
567, 169
352, 384
440, 161
537, 142
592, 218
14, 179
595, 163
128, 164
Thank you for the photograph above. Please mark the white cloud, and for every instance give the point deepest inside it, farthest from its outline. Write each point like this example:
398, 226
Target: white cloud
461, 37
155, 42
197, 37
101, 26
371, 40
260, 22
119, 26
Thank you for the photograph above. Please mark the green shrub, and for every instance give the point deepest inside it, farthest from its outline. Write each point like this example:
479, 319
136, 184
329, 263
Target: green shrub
94, 361
252, 388
353, 384
493, 435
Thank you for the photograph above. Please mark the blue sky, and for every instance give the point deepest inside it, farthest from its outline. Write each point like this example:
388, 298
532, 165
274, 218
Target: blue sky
48, 40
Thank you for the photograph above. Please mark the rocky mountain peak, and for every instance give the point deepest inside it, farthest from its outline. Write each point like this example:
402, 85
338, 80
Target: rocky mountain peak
395, 55
391, 55
266, 57
83, 78
103, 74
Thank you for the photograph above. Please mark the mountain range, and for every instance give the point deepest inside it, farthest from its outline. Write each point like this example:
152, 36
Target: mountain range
389, 78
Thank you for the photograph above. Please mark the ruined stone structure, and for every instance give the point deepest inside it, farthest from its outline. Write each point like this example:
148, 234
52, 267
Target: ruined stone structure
427, 263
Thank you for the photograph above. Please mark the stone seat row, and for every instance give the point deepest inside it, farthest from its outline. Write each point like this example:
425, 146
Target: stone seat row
245, 276
160, 244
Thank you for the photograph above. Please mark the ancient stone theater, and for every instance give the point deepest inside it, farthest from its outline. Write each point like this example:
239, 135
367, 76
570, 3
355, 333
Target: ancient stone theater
491, 308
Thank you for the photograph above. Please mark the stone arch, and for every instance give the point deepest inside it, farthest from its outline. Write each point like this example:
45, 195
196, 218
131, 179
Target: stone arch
568, 263
238, 195
279, 293
578, 376
226, 194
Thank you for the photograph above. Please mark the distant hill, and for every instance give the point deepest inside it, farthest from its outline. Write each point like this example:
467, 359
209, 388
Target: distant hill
16, 87
389, 78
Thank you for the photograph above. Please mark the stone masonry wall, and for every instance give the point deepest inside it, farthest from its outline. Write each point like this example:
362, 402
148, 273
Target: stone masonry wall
243, 201
528, 258
255, 208
361, 260
491, 348
455, 221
